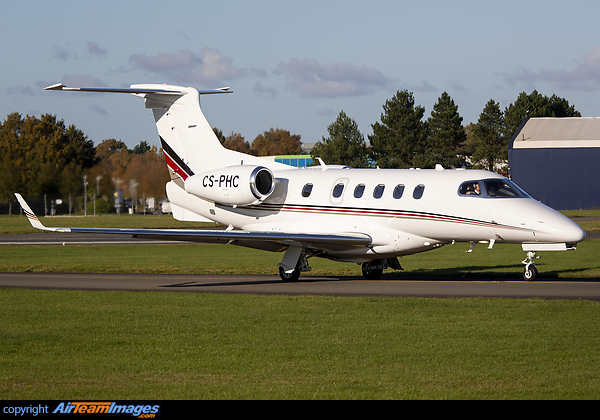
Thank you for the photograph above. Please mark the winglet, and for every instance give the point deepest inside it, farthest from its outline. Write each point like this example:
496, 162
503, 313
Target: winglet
35, 222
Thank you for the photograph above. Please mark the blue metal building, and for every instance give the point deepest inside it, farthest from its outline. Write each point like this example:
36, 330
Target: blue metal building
557, 161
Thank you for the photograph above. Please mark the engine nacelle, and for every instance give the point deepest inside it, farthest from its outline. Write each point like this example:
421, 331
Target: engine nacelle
234, 185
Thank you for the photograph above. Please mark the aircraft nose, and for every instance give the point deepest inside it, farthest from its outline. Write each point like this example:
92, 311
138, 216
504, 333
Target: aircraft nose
568, 231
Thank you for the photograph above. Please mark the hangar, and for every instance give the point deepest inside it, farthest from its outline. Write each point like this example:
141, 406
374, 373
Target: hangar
556, 160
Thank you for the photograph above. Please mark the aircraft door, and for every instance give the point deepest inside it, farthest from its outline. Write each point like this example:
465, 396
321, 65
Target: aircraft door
337, 190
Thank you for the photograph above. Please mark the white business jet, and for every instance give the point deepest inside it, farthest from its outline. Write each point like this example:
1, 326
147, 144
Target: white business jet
367, 216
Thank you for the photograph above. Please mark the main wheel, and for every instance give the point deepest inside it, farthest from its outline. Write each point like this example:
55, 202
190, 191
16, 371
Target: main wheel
372, 270
530, 273
287, 277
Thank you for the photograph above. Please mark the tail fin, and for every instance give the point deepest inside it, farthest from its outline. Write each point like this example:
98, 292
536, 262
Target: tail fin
189, 143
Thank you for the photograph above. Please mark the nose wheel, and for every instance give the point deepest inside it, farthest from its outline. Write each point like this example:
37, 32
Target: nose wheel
530, 273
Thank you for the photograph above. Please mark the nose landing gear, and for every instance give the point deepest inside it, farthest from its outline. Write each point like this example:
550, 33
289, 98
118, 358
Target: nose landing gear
530, 273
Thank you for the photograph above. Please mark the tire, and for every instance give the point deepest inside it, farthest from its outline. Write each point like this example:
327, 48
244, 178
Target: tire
371, 273
289, 277
530, 273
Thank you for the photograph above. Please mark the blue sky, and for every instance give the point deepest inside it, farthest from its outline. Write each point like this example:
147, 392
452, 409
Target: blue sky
292, 65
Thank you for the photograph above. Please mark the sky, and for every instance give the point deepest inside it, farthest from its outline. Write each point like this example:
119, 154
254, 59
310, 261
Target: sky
292, 65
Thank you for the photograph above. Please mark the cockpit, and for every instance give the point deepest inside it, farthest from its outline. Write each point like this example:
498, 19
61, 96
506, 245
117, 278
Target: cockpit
491, 188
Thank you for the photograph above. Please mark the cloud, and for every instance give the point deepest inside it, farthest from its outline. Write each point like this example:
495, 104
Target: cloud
185, 66
20, 90
424, 87
585, 76
96, 50
261, 90
97, 109
70, 53
314, 80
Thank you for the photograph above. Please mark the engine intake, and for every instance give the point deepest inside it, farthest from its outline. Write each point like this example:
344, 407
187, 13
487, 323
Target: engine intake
234, 185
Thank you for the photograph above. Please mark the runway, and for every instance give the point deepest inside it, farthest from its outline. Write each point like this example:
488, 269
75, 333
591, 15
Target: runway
330, 286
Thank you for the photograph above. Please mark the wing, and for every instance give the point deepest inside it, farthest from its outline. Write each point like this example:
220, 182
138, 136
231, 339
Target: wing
272, 241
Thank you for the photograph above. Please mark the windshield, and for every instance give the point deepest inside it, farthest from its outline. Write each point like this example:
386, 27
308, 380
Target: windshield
492, 188
501, 188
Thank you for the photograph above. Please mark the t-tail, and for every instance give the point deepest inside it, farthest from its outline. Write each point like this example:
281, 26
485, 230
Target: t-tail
193, 153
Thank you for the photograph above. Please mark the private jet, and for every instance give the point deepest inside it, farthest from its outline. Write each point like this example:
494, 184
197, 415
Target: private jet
367, 216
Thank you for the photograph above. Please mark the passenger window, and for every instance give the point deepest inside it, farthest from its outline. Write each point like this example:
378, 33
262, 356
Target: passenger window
418, 191
338, 190
398, 191
378, 192
307, 190
359, 190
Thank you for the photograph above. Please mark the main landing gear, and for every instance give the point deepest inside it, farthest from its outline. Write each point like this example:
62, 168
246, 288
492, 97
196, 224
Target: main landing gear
373, 270
294, 275
530, 273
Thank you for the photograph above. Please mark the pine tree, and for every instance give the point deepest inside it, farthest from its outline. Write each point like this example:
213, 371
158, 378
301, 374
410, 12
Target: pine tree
446, 136
400, 134
491, 146
345, 144
535, 105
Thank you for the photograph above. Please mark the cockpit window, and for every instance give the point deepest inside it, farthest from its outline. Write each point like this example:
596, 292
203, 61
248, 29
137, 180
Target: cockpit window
499, 188
470, 188
491, 188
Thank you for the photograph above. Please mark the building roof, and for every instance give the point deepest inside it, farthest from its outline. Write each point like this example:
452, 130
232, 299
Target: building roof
551, 133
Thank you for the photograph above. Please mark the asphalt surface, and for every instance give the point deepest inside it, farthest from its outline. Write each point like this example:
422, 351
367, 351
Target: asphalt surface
309, 285
588, 289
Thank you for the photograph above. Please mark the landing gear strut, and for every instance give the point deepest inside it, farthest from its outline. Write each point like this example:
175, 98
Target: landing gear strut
294, 275
530, 273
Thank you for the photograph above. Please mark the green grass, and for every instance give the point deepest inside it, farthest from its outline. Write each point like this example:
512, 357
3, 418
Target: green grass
124, 345
162, 345
452, 260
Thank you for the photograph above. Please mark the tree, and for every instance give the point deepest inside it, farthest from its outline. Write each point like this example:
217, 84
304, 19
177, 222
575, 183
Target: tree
141, 148
276, 142
491, 146
345, 144
400, 133
35, 151
446, 136
535, 105
235, 141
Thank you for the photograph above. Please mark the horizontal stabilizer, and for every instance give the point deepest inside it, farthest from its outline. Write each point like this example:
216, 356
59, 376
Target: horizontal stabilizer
135, 90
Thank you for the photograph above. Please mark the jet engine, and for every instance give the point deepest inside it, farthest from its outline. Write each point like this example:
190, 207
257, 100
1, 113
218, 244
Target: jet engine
234, 185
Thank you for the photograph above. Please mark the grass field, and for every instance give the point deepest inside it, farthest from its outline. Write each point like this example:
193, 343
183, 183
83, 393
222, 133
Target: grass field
163, 345
124, 345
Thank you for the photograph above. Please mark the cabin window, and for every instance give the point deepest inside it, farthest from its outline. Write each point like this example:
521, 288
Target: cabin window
307, 190
398, 191
359, 190
338, 190
378, 192
418, 191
